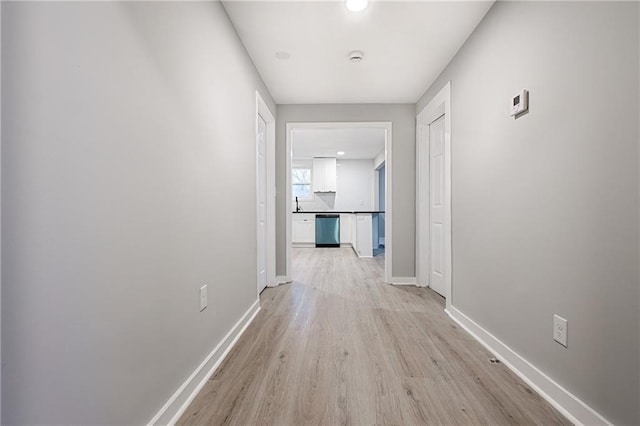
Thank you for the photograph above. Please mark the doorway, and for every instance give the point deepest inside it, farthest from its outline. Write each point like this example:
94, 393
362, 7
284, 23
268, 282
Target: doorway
433, 195
330, 200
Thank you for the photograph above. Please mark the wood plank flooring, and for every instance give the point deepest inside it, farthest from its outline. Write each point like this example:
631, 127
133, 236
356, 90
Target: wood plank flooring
338, 346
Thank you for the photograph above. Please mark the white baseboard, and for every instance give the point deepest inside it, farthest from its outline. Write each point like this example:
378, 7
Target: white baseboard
180, 400
282, 279
562, 400
404, 281
303, 245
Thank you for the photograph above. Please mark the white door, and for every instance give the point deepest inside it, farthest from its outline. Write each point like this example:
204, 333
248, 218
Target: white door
437, 209
262, 203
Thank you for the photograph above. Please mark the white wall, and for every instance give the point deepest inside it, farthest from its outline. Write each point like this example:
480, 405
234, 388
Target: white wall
130, 133
355, 182
403, 120
545, 207
354, 188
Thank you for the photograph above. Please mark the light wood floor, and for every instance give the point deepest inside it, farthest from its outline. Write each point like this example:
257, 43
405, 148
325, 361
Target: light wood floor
338, 346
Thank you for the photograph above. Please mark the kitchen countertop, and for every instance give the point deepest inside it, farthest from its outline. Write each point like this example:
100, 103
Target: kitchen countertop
339, 211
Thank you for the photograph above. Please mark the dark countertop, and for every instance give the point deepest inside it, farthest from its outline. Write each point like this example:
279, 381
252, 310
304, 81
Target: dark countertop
339, 212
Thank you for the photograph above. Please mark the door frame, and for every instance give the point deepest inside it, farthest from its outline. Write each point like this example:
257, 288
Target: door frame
440, 105
262, 110
387, 126
377, 164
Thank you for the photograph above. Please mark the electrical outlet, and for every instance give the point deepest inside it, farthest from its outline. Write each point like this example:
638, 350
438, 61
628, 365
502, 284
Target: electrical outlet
560, 330
203, 297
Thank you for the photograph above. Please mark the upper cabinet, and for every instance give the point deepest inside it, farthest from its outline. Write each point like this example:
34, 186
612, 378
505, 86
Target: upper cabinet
324, 175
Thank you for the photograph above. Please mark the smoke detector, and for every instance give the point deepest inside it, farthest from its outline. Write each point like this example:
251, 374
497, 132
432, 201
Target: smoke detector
356, 56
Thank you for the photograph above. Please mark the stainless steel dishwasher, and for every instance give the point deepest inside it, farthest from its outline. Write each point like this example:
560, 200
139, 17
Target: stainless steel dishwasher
327, 230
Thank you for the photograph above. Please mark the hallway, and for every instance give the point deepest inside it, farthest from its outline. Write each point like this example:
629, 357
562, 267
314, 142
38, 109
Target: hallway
338, 346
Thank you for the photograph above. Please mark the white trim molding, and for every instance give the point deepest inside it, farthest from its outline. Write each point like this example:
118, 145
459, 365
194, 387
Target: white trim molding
404, 281
180, 400
562, 400
304, 245
440, 105
263, 111
281, 279
388, 127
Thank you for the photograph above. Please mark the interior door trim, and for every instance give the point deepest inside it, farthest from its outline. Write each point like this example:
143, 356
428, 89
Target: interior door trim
263, 111
440, 105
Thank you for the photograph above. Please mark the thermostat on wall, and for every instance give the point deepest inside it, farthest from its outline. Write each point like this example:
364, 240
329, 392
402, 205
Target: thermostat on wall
520, 102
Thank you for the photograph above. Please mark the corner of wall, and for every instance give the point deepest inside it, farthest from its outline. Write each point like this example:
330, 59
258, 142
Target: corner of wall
179, 402
570, 406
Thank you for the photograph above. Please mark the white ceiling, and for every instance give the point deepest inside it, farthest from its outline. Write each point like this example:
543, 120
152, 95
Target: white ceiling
406, 45
356, 143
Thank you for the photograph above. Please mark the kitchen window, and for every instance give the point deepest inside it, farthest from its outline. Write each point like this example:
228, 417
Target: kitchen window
301, 183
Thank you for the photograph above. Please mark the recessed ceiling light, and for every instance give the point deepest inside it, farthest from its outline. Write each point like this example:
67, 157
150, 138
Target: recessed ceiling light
356, 5
283, 55
340, 152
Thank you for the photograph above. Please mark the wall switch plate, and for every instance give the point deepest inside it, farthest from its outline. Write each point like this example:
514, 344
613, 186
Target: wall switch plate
203, 297
560, 330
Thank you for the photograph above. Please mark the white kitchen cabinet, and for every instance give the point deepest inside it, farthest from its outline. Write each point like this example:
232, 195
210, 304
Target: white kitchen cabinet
324, 175
364, 239
353, 237
346, 224
304, 229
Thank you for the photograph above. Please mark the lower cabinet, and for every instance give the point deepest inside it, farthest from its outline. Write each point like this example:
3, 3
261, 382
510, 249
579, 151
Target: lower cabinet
364, 239
304, 228
355, 230
346, 221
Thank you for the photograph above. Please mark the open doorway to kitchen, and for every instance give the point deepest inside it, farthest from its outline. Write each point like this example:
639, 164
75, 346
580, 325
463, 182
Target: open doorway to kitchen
339, 188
